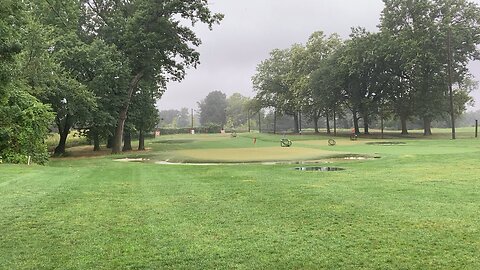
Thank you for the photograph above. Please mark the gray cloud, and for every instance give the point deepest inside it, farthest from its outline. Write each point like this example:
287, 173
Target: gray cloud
251, 29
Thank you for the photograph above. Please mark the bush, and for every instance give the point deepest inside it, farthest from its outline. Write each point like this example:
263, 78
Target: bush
24, 123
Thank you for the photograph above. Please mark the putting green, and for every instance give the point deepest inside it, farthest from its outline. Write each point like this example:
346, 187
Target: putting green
261, 154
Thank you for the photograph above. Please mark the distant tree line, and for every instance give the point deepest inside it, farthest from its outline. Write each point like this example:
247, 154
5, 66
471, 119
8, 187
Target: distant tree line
91, 65
216, 109
414, 67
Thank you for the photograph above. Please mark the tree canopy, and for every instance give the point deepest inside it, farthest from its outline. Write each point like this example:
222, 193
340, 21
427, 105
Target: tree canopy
405, 70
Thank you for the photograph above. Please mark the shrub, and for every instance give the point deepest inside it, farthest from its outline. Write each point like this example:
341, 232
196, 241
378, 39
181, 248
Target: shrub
24, 123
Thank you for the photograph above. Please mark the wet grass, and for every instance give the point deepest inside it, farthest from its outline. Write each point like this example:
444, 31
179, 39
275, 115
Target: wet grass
415, 208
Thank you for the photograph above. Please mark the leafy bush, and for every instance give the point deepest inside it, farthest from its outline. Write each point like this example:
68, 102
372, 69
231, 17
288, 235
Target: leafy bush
24, 123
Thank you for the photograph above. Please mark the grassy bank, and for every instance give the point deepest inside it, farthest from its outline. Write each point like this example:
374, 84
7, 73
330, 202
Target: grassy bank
416, 207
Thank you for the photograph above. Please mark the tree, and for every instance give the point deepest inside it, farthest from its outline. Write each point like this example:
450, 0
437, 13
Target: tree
103, 70
184, 118
44, 38
169, 118
363, 69
320, 93
213, 109
423, 29
24, 125
24, 121
398, 96
152, 35
144, 114
273, 84
328, 90
237, 113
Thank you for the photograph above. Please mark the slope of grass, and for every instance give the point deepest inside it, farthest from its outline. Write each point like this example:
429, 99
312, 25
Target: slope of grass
415, 208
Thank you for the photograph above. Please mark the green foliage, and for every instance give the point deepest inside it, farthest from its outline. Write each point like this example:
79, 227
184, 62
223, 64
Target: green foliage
152, 36
271, 82
400, 70
143, 113
10, 20
237, 110
105, 73
213, 109
24, 123
323, 91
423, 31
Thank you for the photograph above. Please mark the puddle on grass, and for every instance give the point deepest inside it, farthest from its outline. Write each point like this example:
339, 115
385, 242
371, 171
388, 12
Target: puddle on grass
386, 143
354, 157
319, 169
306, 162
196, 164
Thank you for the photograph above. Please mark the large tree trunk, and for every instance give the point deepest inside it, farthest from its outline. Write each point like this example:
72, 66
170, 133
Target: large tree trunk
365, 125
427, 126
403, 120
259, 122
334, 122
295, 120
315, 123
300, 122
275, 122
127, 141
110, 141
328, 123
117, 142
141, 141
355, 123
63, 130
96, 141
382, 125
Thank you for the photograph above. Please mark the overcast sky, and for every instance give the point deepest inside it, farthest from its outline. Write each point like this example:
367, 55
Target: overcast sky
252, 28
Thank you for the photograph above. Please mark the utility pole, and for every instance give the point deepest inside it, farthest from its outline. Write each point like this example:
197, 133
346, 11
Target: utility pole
259, 121
334, 121
300, 122
476, 128
192, 119
275, 122
248, 115
450, 56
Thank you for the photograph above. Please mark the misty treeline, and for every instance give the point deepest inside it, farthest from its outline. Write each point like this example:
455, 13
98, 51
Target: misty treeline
97, 66
215, 110
402, 72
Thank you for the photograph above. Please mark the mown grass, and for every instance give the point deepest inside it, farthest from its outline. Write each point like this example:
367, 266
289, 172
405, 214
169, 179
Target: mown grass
415, 208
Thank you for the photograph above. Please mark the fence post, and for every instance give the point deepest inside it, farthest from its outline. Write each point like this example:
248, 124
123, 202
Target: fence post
476, 128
